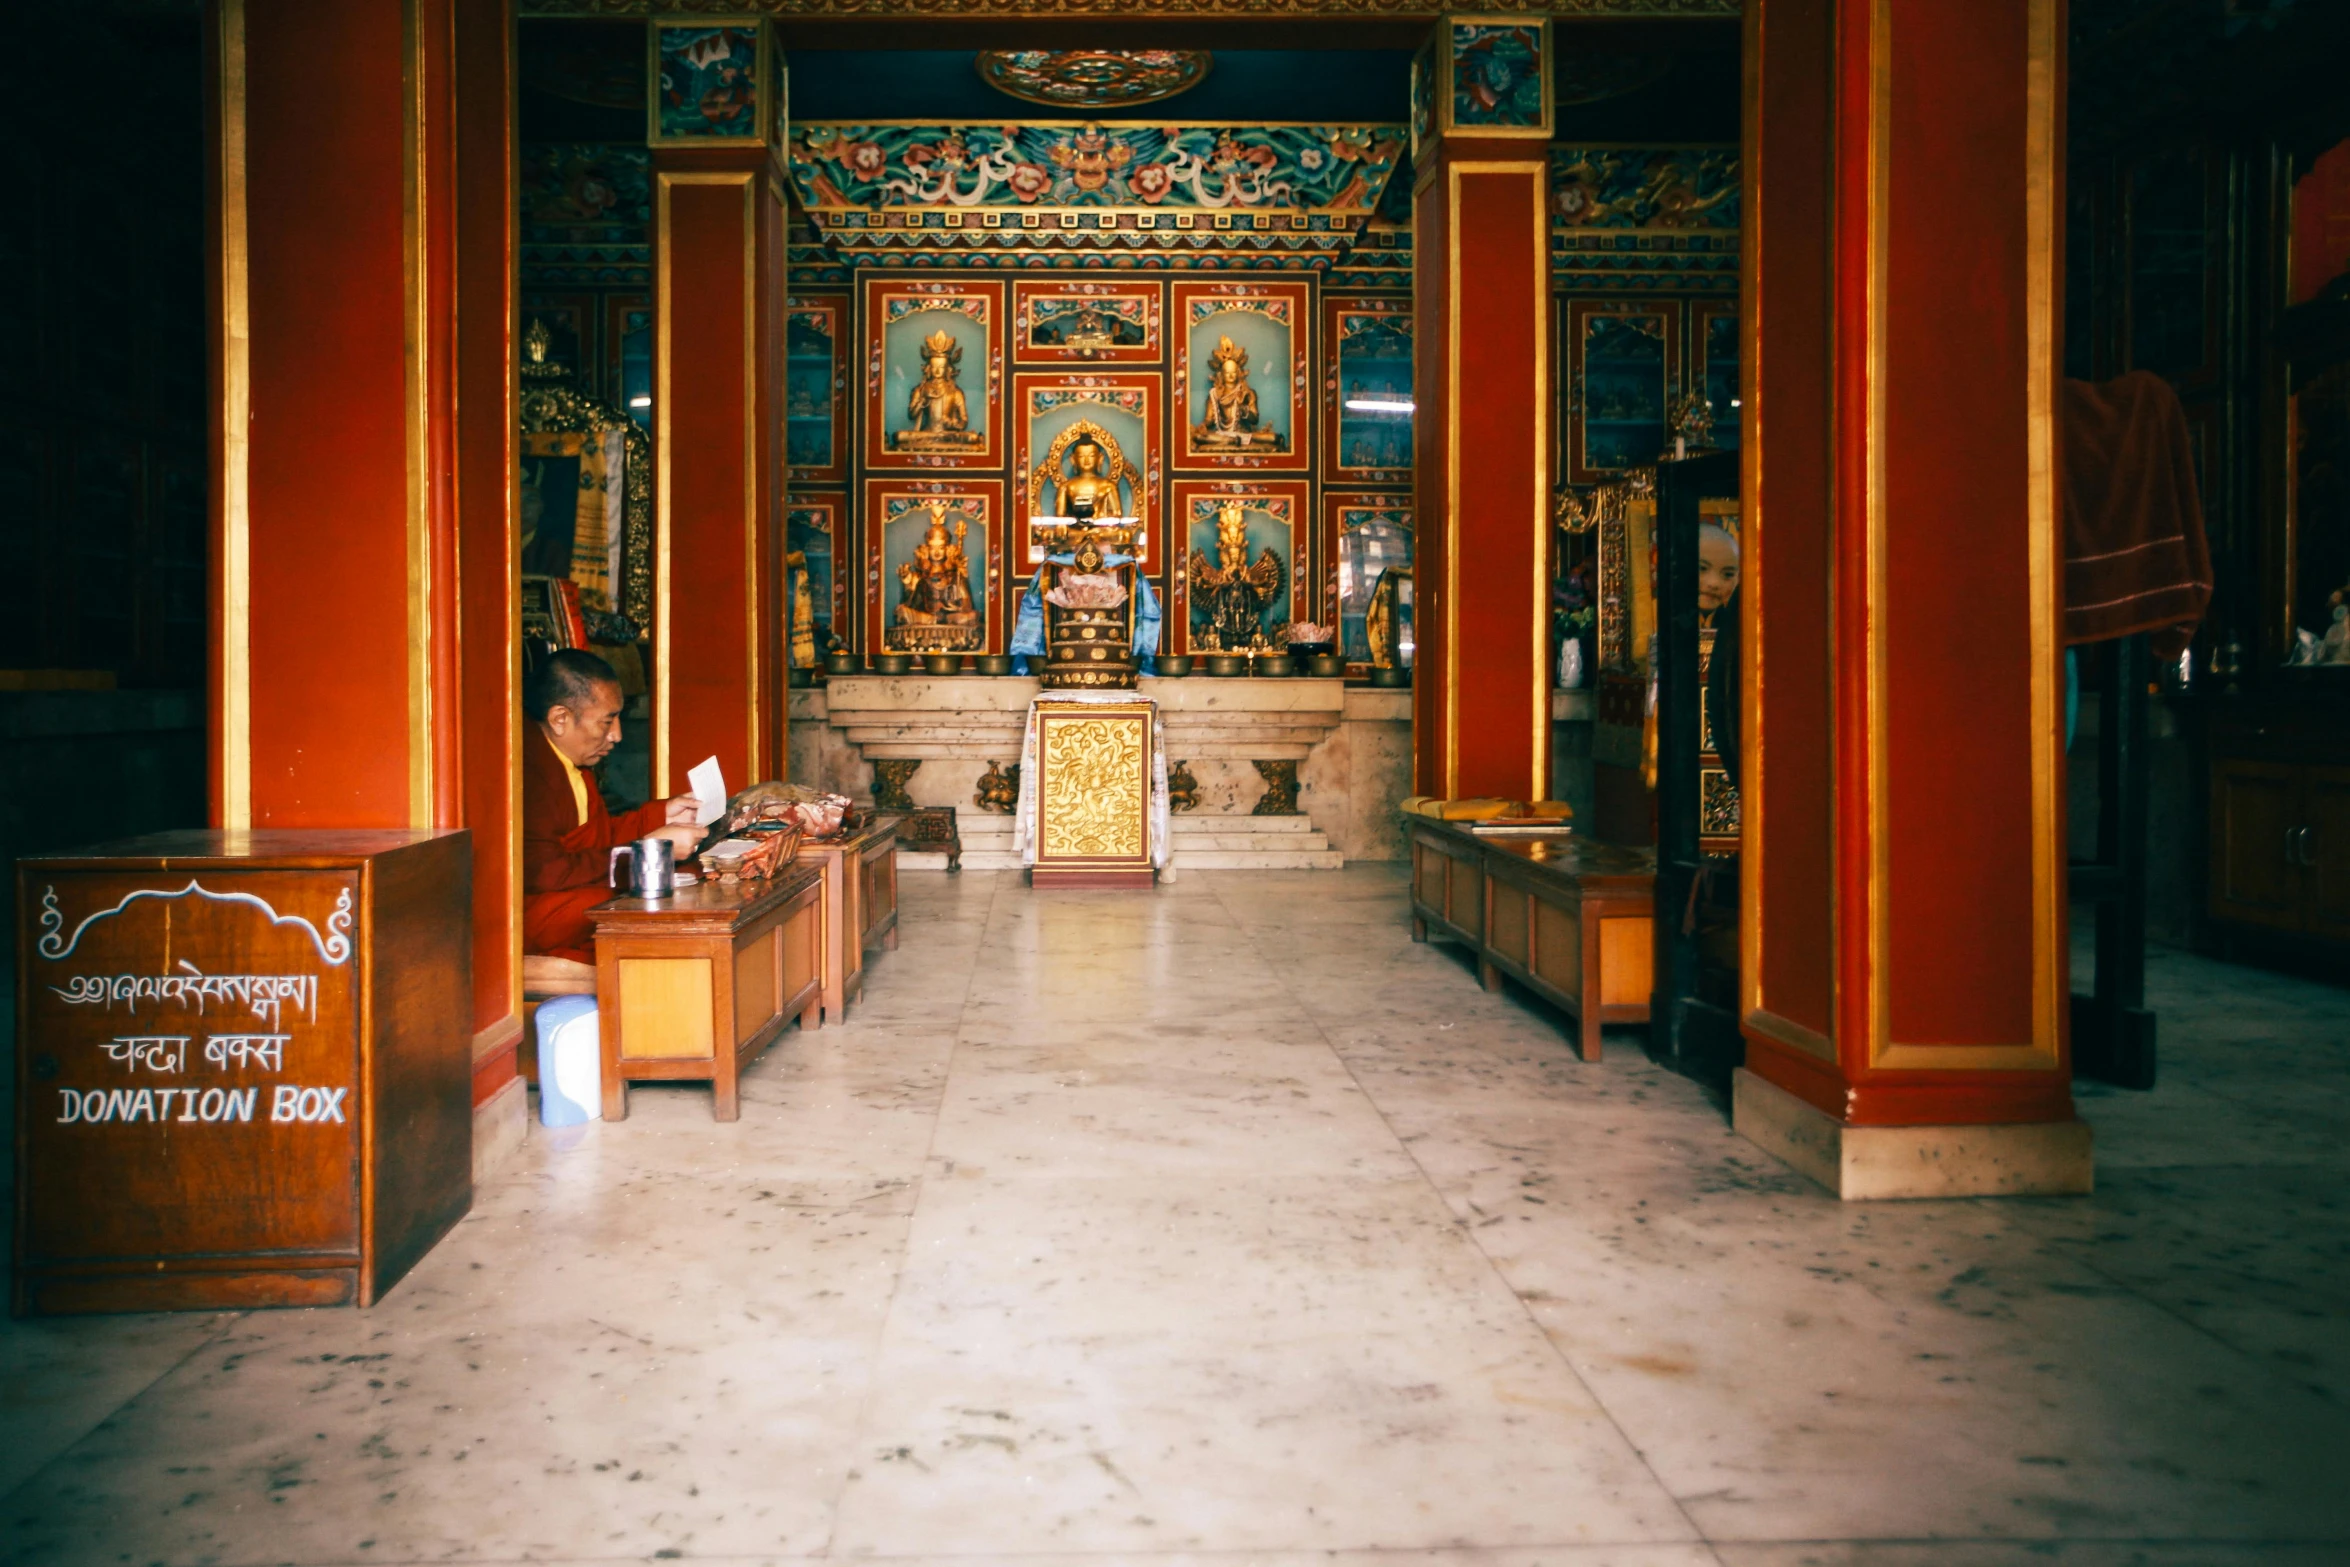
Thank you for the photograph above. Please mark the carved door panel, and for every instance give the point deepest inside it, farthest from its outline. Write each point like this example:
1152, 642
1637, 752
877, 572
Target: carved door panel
2255, 830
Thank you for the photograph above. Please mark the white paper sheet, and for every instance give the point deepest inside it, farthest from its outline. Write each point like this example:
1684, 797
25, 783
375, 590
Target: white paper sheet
709, 786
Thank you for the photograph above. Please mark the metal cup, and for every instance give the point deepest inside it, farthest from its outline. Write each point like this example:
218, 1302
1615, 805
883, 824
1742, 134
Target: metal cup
646, 868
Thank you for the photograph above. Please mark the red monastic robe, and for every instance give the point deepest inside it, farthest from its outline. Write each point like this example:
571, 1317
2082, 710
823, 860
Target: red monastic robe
565, 860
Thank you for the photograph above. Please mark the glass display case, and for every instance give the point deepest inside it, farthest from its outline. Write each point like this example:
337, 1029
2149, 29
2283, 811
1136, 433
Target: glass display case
1368, 534
1623, 374
816, 388
1713, 366
1367, 399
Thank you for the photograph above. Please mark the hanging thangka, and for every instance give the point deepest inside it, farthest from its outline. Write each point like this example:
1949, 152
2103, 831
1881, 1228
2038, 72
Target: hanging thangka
571, 509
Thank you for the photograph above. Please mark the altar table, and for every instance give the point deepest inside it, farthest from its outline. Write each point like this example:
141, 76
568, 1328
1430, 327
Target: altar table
1570, 919
692, 986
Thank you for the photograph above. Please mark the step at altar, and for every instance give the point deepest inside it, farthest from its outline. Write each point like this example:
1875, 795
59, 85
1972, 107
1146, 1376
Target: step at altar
1201, 843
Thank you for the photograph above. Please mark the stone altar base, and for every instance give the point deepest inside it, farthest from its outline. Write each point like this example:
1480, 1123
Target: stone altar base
1351, 746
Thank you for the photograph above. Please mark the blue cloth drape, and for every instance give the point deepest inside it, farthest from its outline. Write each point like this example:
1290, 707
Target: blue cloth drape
1028, 631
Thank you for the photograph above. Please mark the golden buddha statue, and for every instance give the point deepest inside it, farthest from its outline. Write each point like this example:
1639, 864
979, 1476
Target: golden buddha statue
1100, 477
1088, 487
1229, 599
936, 415
1228, 413
935, 610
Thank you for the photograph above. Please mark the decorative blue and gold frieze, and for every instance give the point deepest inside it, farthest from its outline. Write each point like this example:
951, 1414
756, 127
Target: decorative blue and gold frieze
1482, 75
1122, 194
715, 83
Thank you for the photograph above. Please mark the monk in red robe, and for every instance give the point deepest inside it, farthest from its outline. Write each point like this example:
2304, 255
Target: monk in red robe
567, 835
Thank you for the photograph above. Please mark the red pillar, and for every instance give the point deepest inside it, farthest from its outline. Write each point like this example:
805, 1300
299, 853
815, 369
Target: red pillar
1904, 974
489, 558
334, 627
1482, 437
718, 484
363, 594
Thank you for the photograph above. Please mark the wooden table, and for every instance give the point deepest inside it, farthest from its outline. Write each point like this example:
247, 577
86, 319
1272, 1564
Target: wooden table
1570, 919
691, 986
244, 1068
860, 871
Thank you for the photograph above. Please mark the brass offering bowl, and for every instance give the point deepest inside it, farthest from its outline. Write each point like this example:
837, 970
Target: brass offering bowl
1273, 666
1227, 664
993, 663
1173, 666
1391, 677
943, 663
1326, 666
892, 663
842, 663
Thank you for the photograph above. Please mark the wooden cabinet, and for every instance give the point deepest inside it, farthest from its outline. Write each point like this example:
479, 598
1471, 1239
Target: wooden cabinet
2280, 839
691, 987
2325, 850
1569, 919
2255, 822
244, 1068
860, 905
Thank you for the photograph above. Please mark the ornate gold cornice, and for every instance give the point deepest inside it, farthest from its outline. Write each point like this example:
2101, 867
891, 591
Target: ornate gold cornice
1157, 10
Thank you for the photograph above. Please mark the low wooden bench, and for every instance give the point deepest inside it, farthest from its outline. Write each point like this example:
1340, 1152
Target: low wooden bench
1569, 919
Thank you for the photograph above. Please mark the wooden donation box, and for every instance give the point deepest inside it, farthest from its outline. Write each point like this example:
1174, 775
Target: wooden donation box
692, 986
244, 1068
1569, 919
1093, 794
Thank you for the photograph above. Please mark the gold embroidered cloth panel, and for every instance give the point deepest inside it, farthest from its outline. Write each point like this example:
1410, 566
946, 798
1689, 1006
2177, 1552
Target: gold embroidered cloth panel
1093, 782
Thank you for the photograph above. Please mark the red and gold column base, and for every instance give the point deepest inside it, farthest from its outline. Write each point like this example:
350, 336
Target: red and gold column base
1876, 1163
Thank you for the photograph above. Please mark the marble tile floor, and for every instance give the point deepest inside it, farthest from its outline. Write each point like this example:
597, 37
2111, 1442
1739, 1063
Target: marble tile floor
1222, 1224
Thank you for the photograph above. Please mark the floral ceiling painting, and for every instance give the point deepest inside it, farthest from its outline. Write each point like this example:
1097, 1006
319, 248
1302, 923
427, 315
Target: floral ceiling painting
1093, 78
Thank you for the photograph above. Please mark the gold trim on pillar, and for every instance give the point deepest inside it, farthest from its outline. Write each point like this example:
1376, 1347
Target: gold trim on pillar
1750, 488
2043, 1052
1452, 479
415, 280
661, 505
1879, 223
235, 628
752, 343
2043, 169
